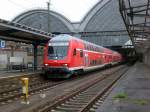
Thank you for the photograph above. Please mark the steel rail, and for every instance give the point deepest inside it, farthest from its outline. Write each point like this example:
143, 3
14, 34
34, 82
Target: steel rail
75, 92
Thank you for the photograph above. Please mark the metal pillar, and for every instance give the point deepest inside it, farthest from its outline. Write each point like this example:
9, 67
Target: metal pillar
35, 56
48, 9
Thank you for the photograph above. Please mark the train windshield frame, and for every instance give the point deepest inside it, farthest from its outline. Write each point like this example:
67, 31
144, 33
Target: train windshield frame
57, 50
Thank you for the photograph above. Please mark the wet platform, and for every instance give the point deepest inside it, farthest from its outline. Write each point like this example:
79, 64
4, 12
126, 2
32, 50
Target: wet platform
131, 93
11, 74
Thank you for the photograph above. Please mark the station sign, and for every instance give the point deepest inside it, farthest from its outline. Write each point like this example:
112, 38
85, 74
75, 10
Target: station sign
2, 44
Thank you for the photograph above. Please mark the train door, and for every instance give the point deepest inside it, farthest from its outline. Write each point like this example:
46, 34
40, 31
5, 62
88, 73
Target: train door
86, 59
104, 58
75, 58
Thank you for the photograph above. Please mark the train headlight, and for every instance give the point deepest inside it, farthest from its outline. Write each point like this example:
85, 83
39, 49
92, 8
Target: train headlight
46, 64
65, 65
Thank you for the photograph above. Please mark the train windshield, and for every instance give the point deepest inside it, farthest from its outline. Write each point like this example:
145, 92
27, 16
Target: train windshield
57, 50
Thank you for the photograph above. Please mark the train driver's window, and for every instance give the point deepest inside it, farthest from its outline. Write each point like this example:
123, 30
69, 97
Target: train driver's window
74, 52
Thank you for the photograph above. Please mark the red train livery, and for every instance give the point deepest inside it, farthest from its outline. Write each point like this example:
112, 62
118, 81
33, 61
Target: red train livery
65, 55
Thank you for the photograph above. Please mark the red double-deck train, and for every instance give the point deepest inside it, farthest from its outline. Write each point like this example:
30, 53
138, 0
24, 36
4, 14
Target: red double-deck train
65, 55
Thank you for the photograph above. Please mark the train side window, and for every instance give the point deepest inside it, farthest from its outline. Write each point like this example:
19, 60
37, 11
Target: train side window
74, 52
81, 53
86, 47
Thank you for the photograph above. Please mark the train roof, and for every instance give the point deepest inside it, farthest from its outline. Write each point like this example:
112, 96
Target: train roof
65, 37
61, 37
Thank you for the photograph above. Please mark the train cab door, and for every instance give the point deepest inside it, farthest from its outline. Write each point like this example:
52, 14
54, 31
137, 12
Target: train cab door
86, 59
103, 59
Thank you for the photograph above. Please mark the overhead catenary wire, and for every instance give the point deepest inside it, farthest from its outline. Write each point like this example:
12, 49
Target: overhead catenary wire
17, 4
34, 5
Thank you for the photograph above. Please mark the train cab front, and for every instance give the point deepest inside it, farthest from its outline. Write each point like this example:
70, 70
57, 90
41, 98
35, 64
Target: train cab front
56, 62
57, 71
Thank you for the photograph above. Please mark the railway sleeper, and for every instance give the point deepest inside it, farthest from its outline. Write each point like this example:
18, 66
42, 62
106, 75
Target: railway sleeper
99, 102
83, 96
92, 110
91, 95
62, 111
80, 96
81, 101
96, 106
76, 103
56, 111
88, 94
72, 105
92, 90
68, 109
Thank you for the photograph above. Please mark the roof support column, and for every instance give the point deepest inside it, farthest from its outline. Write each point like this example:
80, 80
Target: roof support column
146, 57
35, 45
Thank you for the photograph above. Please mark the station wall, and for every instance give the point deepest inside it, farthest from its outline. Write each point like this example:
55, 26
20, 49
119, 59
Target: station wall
6, 54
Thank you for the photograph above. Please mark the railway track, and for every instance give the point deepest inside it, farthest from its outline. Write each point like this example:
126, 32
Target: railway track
13, 82
10, 88
15, 93
84, 98
37, 84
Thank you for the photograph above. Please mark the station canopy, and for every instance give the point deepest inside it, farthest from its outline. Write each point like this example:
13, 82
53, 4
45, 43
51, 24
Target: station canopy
136, 16
21, 33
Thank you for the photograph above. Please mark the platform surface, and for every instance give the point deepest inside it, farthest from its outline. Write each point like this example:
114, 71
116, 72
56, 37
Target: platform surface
135, 89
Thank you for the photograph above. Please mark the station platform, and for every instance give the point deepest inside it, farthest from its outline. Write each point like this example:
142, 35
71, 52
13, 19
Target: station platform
11, 74
131, 93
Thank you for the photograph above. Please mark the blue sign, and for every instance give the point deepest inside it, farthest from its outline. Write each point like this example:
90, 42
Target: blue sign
2, 44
